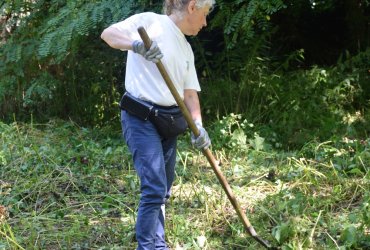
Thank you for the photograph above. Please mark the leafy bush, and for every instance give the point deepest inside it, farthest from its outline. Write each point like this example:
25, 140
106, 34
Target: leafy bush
298, 106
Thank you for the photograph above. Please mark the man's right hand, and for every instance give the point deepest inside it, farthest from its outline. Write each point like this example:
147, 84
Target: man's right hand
153, 54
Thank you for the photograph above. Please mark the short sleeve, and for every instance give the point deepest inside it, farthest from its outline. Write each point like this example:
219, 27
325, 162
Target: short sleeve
192, 81
130, 25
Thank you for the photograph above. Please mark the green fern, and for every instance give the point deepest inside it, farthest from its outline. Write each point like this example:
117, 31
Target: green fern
7, 84
236, 20
15, 54
40, 91
83, 18
46, 43
50, 36
250, 15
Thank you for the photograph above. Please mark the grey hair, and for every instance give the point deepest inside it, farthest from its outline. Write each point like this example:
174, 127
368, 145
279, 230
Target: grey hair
178, 6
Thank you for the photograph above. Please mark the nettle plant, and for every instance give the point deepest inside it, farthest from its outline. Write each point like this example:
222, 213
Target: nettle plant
237, 133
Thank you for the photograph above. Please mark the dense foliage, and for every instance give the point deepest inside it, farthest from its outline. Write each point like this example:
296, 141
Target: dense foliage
67, 187
53, 62
251, 60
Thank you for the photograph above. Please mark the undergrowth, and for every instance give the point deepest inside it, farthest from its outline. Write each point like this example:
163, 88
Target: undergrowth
67, 187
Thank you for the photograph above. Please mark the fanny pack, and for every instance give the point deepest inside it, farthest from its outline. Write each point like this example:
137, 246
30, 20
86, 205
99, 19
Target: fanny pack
169, 121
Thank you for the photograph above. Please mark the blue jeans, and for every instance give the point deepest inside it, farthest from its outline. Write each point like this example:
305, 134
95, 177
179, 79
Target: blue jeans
154, 159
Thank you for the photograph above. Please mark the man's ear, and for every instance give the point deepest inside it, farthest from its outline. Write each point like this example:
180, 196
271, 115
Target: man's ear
191, 6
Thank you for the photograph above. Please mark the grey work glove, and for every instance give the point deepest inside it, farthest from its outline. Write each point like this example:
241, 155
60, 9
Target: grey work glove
153, 54
202, 141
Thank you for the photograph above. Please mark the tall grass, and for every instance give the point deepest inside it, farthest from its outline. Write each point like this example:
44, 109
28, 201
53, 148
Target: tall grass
67, 187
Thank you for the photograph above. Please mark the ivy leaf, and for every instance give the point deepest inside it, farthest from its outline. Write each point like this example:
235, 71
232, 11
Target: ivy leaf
349, 236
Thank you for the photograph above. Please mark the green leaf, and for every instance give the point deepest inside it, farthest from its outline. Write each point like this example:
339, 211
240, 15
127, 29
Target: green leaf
258, 142
349, 235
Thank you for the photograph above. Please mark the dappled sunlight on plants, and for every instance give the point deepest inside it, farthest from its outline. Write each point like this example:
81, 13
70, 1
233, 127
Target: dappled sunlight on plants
315, 185
66, 186
291, 107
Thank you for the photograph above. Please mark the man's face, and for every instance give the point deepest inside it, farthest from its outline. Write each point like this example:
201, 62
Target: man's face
197, 20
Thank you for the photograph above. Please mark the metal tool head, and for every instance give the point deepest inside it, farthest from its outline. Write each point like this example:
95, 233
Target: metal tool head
264, 243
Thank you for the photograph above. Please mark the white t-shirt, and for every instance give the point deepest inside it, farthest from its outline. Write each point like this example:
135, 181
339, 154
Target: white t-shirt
143, 79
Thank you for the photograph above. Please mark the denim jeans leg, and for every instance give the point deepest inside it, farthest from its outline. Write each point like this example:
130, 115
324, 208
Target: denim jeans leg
147, 150
160, 242
169, 152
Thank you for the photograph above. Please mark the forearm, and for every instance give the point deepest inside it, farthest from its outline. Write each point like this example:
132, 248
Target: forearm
201, 140
116, 39
192, 103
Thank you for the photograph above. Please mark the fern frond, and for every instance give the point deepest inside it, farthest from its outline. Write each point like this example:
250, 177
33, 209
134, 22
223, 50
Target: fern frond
243, 18
46, 44
15, 54
235, 21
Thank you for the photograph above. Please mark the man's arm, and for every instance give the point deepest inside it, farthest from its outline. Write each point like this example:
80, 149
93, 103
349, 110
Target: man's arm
191, 100
192, 103
116, 39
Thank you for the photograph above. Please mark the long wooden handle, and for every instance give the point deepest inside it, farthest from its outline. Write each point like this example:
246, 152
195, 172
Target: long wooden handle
208, 154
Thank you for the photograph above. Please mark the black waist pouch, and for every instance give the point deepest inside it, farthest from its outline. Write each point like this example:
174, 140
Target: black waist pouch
169, 121
135, 106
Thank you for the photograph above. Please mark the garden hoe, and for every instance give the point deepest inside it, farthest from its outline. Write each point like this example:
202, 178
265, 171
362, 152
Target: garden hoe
207, 153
